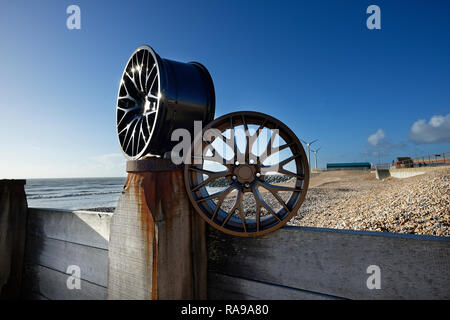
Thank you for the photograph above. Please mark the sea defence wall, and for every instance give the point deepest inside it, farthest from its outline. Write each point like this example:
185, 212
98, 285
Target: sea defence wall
411, 172
292, 263
382, 173
402, 173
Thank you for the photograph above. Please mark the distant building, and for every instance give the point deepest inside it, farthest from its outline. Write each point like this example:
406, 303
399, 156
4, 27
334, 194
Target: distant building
349, 166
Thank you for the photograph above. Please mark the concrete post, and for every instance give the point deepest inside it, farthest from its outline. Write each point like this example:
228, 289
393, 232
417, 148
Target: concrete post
13, 222
157, 244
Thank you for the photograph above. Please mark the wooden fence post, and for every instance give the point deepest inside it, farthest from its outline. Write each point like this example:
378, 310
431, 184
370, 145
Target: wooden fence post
13, 221
157, 244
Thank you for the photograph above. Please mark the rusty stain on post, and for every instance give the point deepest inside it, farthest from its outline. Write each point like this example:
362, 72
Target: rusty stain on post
148, 227
158, 197
157, 241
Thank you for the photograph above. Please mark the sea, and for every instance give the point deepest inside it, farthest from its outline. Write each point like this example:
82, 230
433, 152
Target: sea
74, 193
79, 193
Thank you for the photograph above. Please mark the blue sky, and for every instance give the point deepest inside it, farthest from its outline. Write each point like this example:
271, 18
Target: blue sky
312, 64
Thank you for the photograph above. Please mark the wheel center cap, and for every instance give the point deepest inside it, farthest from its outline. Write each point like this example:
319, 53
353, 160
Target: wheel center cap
147, 106
244, 173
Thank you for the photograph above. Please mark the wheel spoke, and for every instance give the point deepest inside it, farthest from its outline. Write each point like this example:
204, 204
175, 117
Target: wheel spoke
264, 204
276, 195
274, 187
237, 153
138, 133
286, 145
216, 157
217, 208
268, 208
208, 172
244, 123
279, 166
153, 83
224, 140
286, 161
237, 206
241, 212
247, 141
132, 130
152, 96
133, 80
219, 194
141, 134
149, 74
258, 208
212, 177
291, 174
269, 149
255, 136
134, 136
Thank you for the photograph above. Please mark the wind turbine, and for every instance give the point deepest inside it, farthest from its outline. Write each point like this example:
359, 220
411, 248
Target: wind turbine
308, 144
315, 155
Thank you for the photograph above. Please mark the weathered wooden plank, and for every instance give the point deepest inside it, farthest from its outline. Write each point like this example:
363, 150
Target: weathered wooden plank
335, 262
82, 227
59, 255
223, 287
13, 221
45, 283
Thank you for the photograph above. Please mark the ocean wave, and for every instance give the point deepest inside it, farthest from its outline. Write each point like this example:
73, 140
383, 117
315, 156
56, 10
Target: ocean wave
67, 195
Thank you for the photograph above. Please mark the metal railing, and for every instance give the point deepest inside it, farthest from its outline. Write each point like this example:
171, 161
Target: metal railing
383, 166
436, 159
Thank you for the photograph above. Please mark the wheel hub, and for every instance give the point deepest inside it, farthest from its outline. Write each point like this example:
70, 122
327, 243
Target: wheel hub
148, 105
245, 173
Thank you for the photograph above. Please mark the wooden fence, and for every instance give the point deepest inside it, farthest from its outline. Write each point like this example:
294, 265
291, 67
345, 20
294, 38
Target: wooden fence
57, 239
313, 263
292, 263
13, 219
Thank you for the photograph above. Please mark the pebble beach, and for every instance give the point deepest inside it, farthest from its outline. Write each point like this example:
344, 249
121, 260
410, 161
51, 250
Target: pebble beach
356, 200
